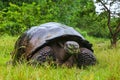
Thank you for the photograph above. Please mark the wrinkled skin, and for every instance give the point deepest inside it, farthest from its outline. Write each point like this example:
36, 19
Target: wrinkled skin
72, 47
61, 52
63, 45
67, 54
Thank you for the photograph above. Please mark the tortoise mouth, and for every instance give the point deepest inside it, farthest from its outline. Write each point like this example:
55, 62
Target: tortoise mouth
72, 51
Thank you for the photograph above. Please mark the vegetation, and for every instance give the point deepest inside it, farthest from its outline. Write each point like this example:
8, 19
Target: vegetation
114, 33
107, 67
18, 16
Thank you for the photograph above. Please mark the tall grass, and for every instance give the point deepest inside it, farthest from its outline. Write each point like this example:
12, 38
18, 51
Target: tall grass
107, 68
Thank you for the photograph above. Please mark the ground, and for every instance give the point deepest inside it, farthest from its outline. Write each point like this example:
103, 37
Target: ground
107, 67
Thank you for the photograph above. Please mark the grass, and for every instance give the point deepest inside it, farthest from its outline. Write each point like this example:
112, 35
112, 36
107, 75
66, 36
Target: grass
107, 68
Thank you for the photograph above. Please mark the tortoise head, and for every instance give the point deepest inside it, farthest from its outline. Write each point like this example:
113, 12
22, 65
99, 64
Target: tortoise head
72, 47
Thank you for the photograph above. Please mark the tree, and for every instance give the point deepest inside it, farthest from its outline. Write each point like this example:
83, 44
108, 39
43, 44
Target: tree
114, 30
18, 16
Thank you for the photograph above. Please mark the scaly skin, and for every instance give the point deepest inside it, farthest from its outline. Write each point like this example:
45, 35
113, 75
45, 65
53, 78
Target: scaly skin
42, 56
71, 55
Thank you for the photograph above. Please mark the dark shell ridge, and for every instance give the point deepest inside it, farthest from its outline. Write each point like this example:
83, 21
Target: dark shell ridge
40, 34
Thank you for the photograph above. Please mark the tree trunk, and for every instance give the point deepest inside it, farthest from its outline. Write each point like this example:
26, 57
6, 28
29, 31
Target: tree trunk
113, 34
113, 41
114, 37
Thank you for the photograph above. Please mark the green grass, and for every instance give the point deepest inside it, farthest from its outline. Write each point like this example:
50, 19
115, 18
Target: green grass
107, 68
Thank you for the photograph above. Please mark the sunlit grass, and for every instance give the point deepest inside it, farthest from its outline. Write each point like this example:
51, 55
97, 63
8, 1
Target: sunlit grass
107, 68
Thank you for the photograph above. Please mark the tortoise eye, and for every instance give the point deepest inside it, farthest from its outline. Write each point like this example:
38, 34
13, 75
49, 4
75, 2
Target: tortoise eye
70, 46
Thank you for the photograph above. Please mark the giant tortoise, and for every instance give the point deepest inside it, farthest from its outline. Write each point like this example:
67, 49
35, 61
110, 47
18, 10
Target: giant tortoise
53, 42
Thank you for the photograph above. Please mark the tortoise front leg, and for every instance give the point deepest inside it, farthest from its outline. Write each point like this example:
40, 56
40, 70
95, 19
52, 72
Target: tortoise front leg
70, 62
85, 58
43, 55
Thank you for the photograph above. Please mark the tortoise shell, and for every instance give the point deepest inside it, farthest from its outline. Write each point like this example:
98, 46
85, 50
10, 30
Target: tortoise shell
38, 36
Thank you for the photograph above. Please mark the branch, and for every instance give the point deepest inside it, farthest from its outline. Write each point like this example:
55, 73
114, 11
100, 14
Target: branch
104, 5
110, 29
117, 30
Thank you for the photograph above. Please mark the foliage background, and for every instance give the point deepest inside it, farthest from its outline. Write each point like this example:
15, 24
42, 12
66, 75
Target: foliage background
18, 16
